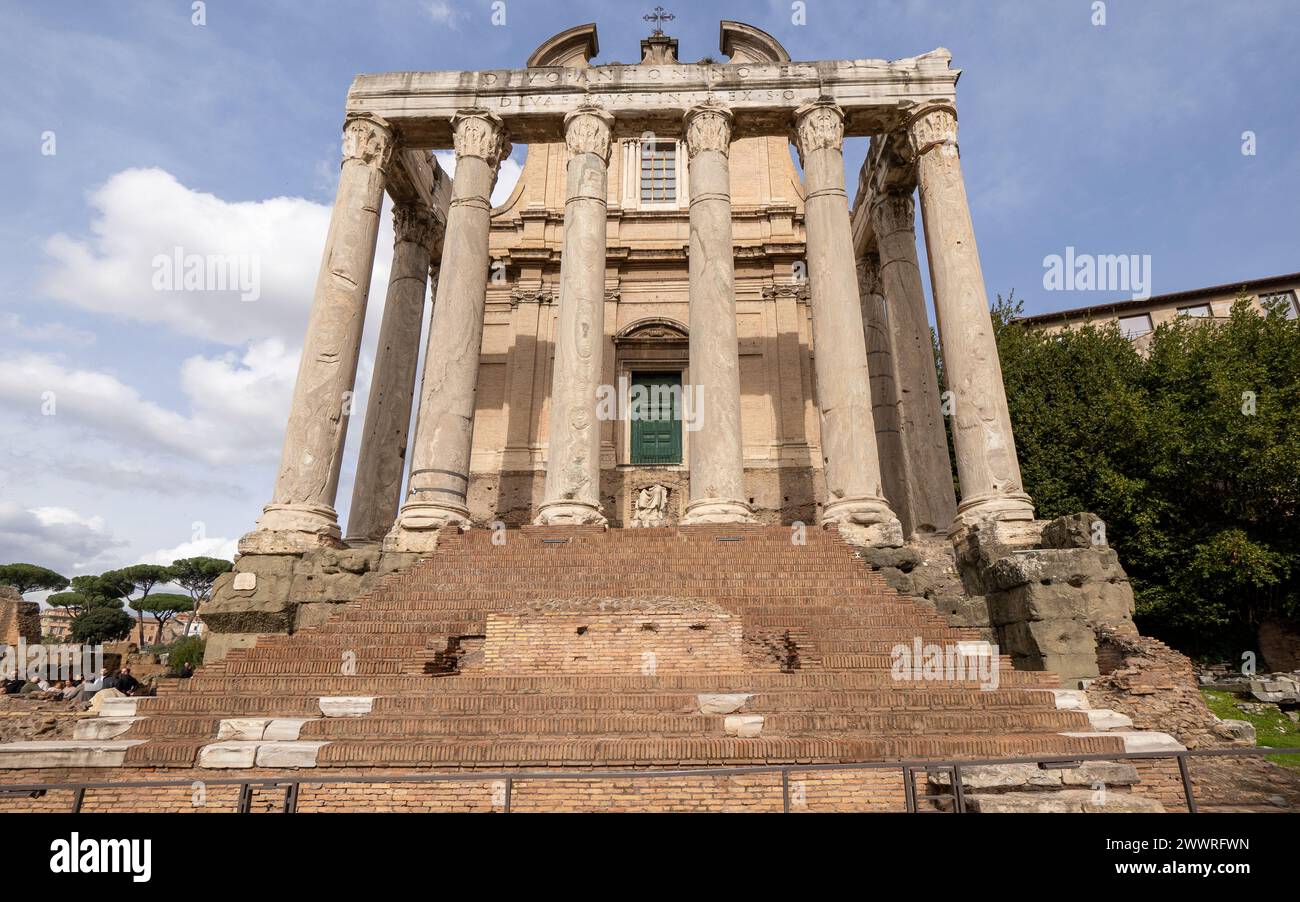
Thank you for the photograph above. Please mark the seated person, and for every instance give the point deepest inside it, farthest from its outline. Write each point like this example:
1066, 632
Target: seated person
126, 683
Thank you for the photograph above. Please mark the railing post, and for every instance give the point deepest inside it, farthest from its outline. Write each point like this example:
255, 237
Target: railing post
245, 798
78, 798
958, 797
510, 786
785, 790
909, 790
1187, 784
290, 799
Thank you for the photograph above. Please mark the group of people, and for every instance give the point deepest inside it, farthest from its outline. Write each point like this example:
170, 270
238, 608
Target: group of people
122, 681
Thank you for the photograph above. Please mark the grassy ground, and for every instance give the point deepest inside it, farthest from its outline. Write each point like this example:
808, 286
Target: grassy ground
1272, 729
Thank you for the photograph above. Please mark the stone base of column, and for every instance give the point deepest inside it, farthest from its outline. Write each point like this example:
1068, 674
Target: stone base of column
293, 529
865, 521
570, 513
1007, 508
717, 510
418, 525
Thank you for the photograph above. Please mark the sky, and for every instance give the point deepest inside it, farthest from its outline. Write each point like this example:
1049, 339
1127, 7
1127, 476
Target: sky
142, 425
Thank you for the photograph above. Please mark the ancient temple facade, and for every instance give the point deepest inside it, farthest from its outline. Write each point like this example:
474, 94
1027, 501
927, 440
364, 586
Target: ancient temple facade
673, 319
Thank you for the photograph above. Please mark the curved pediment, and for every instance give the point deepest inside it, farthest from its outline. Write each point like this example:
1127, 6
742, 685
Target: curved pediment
573, 48
653, 328
743, 43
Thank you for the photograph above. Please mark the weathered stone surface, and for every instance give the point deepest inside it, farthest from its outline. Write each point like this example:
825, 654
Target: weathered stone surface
1136, 741
288, 754
1238, 732
722, 703
92, 728
1106, 719
219, 644
346, 705
122, 706
1066, 801
66, 753
265, 608
1095, 773
1278, 688
242, 729
19, 620
743, 725
281, 729
1074, 531
1071, 699
229, 754
998, 776
1073, 567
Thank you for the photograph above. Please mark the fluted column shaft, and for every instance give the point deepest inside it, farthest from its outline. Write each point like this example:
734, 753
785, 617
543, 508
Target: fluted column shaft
438, 486
854, 494
377, 490
985, 447
572, 492
716, 448
929, 501
301, 514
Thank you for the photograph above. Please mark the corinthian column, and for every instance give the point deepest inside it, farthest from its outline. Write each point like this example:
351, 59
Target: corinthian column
986, 450
854, 494
717, 463
438, 486
377, 491
925, 470
572, 494
301, 514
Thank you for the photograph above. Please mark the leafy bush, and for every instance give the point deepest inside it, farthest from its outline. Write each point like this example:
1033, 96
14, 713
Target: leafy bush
187, 648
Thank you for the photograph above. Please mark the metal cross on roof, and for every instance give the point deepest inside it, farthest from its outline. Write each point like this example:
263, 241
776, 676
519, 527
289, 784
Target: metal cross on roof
658, 17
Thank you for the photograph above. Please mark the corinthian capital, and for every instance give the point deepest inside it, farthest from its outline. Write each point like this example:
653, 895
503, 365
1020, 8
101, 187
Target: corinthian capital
587, 130
415, 222
708, 127
367, 138
893, 211
931, 127
818, 125
479, 133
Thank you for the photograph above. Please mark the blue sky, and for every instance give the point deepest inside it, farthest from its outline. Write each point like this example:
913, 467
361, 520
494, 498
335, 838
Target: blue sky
1117, 139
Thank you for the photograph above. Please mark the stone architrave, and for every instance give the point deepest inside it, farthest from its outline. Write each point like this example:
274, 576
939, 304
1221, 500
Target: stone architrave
987, 468
716, 450
439, 479
854, 493
572, 492
377, 490
926, 471
301, 514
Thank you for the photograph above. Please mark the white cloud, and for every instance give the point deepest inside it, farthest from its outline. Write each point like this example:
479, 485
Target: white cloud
443, 13
13, 327
141, 215
238, 405
56, 537
212, 547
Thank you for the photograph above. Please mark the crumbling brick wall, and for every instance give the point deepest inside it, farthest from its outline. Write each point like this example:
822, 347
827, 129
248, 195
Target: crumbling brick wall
1156, 686
18, 619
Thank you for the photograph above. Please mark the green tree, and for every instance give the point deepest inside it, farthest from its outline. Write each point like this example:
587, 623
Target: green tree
196, 576
71, 602
31, 578
165, 606
1190, 454
143, 578
99, 624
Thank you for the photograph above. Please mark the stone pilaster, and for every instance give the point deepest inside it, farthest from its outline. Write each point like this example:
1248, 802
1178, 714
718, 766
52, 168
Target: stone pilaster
301, 514
854, 493
985, 448
444, 428
929, 501
716, 450
572, 493
377, 490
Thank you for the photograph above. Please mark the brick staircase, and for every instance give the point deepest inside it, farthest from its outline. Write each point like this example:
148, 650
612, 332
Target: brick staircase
408, 696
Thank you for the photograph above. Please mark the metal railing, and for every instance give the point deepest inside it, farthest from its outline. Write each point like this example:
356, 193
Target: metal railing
909, 770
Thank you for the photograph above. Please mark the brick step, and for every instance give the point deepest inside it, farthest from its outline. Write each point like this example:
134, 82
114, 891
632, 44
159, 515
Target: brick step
913, 698
681, 724
702, 682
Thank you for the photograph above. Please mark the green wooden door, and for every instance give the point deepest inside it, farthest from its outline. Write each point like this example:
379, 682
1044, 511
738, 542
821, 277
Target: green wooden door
657, 429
